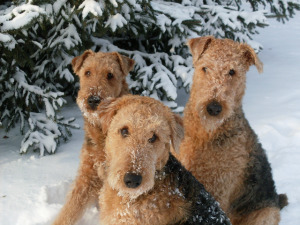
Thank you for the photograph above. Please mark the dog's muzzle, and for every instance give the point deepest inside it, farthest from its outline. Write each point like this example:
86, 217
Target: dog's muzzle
132, 180
214, 108
93, 101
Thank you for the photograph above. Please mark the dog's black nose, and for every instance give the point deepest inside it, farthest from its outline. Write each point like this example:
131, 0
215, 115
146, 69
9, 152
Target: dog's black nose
214, 108
132, 180
93, 101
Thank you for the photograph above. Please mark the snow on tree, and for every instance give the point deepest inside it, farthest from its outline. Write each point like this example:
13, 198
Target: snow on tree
39, 38
34, 72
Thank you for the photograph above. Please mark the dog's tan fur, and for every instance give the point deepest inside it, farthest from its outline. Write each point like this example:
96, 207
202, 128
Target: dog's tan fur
143, 117
202, 151
99, 65
217, 149
265, 216
93, 69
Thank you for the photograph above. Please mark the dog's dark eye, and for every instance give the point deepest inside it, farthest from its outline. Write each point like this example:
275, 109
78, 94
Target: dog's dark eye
231, 72
88, 73
204, 69
110, 76
124, 132
152, 139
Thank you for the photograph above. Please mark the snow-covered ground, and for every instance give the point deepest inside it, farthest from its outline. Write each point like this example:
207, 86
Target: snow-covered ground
32, 189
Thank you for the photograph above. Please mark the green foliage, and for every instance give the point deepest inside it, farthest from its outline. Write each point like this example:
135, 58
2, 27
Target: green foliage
39, 38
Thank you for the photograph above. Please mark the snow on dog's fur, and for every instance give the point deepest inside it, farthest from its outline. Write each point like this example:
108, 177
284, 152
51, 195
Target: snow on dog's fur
101, 75
220, 148
144, 183
138, 141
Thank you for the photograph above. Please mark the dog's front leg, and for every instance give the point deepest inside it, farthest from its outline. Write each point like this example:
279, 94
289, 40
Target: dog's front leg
85, 190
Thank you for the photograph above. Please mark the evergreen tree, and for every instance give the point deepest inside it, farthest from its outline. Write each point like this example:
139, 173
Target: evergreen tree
39, 38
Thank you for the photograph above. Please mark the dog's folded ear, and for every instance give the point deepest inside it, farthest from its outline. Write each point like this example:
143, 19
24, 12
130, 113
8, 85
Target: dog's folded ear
199, 45
251, 57
107, 109
78, 60
177, 131
125, 63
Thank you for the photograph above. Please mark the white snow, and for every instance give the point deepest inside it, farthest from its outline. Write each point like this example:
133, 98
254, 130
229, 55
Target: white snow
33, 188
234, 20
69, 37
116, 21
5, 38
20, 16
58, 5
20, 78
114, 3
174, 10
8, 41
91, 6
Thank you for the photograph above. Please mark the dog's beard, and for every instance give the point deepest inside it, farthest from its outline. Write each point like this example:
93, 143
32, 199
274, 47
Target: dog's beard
89, 114
115, 181
212, 123
208, 122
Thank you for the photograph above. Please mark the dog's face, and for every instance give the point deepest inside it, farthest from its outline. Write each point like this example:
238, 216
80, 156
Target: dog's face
101, 75
140, 132
220, 77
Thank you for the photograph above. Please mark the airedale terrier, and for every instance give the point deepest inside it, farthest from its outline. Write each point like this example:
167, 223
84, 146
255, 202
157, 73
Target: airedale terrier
220, 148
101, 75
144, 183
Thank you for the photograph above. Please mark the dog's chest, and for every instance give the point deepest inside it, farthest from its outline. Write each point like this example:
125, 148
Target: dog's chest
220, 168
163, 205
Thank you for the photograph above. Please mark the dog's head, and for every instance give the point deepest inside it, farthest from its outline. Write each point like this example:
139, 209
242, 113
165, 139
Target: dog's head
101, 75
139, 134
220, 77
